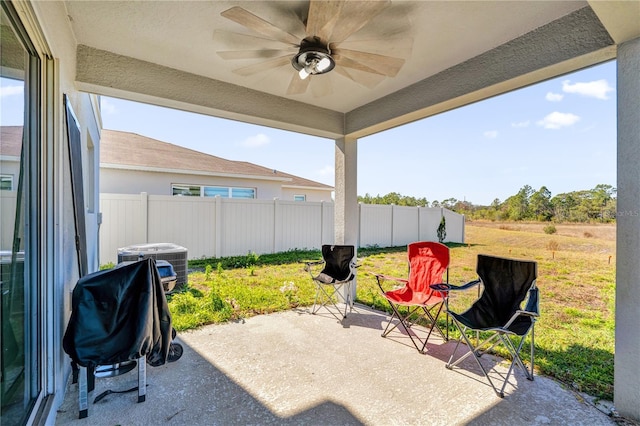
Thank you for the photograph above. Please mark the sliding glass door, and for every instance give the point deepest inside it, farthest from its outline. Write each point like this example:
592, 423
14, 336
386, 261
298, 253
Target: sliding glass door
20, 307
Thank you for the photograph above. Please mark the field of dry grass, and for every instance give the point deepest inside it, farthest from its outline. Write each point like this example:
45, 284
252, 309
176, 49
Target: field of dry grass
605, 232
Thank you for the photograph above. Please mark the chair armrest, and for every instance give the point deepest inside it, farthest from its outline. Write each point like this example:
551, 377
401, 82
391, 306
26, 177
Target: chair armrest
527, 313
380, 278
308, 264
519, 313
441, 287
463, 286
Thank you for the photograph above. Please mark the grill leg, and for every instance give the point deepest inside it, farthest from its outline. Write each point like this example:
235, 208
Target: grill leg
83, 396
142, 379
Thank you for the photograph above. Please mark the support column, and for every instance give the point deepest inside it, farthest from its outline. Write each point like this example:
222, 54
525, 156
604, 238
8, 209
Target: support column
346, 207
627, 337
346, 218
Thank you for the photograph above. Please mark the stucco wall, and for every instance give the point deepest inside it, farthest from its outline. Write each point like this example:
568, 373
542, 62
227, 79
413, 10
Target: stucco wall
121, 181
315, 195
62, 270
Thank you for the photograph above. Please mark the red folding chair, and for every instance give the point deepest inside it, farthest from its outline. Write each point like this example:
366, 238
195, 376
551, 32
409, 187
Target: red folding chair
415, 301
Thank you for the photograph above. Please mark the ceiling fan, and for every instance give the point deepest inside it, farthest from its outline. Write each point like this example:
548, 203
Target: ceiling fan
318, 46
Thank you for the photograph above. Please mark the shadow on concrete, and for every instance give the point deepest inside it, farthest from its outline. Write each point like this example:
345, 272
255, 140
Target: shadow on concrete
191, 391
296, 368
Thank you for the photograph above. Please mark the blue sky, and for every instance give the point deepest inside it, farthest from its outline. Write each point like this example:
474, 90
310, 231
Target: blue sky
560, 133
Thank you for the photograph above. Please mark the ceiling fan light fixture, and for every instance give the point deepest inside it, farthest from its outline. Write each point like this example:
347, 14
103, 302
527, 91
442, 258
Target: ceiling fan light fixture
312, 59
303, 73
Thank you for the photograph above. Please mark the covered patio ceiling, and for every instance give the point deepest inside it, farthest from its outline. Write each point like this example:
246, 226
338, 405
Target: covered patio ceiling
412, 59
434, 55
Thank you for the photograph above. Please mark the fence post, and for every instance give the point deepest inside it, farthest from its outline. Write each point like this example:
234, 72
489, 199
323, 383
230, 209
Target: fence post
277, 226
419, 239
144, 216
359, 224
441, 216
321, 223
393, 244
218, 227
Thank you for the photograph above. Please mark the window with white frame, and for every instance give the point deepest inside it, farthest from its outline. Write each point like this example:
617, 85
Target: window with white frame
299, 198
185, 190
6, 182
243, 193
213, 191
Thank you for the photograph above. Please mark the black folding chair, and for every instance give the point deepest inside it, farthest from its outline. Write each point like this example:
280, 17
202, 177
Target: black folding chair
334, 282
498, 311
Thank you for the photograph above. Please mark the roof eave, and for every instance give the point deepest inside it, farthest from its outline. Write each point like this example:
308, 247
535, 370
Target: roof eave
191, 172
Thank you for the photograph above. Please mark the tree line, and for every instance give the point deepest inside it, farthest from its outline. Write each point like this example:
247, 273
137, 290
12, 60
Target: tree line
592, 205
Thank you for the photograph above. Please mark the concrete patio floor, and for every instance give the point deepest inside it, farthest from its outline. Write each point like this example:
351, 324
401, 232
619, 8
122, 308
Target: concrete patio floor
297, 368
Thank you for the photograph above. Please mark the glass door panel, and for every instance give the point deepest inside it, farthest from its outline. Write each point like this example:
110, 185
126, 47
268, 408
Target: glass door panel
19, 375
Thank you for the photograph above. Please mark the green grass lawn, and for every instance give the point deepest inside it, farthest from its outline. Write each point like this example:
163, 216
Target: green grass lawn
574, 336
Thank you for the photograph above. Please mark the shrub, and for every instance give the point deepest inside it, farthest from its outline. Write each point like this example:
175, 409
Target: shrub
549, 229
553, 245
109, 265
442, 230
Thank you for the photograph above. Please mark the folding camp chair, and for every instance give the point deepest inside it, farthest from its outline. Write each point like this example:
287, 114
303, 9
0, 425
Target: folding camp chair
335, 280
506, 284
428, 264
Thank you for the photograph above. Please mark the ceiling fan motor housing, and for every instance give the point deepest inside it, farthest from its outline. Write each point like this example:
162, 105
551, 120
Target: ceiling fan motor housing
310, 54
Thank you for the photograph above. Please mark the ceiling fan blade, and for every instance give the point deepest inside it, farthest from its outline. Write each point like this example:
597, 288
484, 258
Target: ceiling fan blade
237, 41
321, 85
400, 46
365, 79
297, 86
344, 61
322, 18
355, 15
263, 66
386, 65
259, 25
253, 54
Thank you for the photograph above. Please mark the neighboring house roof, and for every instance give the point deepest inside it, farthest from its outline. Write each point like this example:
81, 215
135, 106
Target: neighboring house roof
10, 141
127, 150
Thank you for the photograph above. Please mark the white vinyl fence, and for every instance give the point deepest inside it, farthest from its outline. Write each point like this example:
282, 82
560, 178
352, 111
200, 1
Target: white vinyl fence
219, 227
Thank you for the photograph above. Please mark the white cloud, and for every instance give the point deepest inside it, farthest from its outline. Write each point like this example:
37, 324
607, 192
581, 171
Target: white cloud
11, 90
491, 134
554, 97
594, 89
521, 124
107, 107
255, 141
327, 171
556, 120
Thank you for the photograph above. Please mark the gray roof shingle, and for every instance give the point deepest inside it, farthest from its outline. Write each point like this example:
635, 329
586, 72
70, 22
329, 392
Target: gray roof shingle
130, 149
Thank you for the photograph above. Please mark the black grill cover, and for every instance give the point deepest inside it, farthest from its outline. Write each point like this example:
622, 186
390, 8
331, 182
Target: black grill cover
119, 315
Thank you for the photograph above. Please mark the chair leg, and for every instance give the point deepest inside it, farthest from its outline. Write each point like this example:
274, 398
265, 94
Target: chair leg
434, 320
473, 350
403, 320
328, 298
485, 346
532, 350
